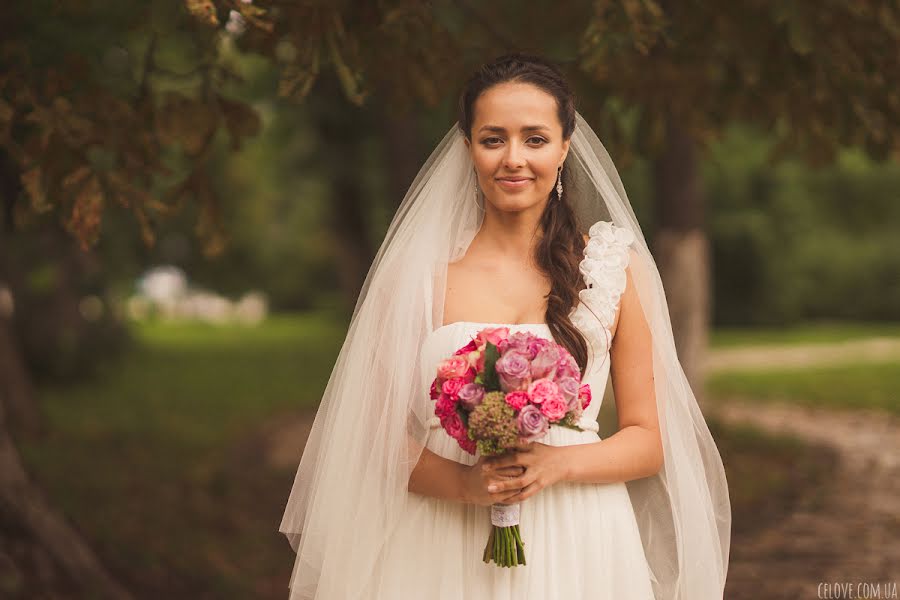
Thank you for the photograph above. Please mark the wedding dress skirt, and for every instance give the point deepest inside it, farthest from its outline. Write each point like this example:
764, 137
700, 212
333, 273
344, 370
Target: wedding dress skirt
581, 539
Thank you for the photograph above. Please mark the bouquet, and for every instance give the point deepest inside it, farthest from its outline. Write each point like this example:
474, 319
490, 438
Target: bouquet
498, 391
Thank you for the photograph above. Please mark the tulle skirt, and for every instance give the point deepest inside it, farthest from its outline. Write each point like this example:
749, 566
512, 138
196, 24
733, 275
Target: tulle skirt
581, 541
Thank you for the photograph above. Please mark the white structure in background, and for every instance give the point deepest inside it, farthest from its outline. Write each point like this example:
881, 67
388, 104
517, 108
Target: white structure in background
165, 292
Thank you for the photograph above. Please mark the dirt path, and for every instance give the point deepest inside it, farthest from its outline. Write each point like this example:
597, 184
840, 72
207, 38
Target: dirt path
849, 535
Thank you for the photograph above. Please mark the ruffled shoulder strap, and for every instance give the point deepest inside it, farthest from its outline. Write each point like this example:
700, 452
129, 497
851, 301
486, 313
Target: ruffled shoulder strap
606, 256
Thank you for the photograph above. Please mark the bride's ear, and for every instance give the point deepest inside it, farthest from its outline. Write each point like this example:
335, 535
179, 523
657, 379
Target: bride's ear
565, 153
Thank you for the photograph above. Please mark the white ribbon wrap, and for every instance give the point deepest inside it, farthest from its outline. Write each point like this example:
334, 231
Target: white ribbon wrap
505, 515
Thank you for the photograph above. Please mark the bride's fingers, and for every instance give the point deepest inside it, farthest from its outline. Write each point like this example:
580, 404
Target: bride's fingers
507, 497
511, 483
525, 493
513, 471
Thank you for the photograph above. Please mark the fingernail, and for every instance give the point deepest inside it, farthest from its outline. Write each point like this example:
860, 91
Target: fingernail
492, 488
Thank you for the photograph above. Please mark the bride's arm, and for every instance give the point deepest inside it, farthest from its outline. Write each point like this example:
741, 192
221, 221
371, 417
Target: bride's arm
635, 450
441, 477
437, 477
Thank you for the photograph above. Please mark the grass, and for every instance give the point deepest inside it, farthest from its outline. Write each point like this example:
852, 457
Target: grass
143, 458
810, 333
848, 386
768, 475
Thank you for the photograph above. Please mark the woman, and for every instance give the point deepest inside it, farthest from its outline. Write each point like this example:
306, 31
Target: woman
491, 234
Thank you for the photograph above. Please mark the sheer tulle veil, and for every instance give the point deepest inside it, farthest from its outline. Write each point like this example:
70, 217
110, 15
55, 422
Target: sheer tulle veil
351, 485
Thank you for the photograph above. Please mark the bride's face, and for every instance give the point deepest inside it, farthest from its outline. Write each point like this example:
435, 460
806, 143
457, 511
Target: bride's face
516, 145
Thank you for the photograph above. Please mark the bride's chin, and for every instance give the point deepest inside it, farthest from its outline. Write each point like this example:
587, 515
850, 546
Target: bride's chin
513, 203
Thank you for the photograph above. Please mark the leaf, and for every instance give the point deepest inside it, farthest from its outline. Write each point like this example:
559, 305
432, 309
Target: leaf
240, 120
185, 120
204, 11
350, 80
491, 379
33, 182
87, 212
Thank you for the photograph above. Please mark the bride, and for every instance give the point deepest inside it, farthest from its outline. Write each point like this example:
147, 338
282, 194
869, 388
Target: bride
517, 221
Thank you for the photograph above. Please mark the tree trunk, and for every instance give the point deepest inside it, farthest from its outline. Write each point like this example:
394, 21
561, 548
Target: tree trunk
21, 502
681, 249
16, 392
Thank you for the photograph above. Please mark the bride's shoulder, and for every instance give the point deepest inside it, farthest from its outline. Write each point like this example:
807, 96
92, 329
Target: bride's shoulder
608, 251
606, 234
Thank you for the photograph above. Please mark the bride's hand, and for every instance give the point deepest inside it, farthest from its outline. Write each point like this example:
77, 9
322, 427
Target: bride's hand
479, 476
543, 467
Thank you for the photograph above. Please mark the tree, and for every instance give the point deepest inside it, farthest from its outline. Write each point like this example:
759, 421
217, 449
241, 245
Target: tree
817, 76
102, 105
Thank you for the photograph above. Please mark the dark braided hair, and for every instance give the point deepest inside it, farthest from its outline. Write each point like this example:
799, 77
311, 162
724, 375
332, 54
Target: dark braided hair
562, 246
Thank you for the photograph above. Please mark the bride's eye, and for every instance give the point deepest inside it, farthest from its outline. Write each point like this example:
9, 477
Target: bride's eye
490, 141
539, 139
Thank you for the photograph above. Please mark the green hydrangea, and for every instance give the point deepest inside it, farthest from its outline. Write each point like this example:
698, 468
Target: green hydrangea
493, 424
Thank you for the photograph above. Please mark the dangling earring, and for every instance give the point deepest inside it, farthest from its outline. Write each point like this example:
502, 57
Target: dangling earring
559, 184
476, 193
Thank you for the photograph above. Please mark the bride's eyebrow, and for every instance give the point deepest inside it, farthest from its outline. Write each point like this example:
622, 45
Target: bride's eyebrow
526, 128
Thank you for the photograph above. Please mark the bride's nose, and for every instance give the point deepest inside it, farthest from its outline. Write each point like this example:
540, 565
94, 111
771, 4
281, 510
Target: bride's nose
515, 157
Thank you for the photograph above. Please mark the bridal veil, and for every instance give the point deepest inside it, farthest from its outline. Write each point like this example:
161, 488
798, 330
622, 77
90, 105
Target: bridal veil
351, 485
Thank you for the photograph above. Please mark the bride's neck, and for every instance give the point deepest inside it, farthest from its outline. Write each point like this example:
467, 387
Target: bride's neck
510, 235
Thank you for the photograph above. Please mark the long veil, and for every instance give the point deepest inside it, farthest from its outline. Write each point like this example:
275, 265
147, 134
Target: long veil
351, 485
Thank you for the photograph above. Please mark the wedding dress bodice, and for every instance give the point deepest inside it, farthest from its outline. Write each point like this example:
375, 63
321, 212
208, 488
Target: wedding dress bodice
606, 256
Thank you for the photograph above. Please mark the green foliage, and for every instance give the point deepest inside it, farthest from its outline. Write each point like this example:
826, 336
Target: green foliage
817, 76
790, 243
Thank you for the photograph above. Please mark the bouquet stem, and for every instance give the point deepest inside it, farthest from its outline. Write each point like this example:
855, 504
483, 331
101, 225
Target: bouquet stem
504, 545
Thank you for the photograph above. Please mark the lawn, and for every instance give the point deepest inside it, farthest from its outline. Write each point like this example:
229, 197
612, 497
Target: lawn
151, 459
873, 385
811, 333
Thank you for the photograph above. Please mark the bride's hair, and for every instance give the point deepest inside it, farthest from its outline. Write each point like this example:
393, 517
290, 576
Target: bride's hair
562, 246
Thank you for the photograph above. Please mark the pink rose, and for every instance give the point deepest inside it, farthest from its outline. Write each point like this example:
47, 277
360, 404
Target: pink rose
493, 335
541, 389
535, 345
567, 365
451, 386
453, 425
517, 342
532, 423
434, 392
514, 371
568, 387
468, 445
517, 399
467, 348
544, 364
554, 408
470, 395
445, 406
452, 367
584, 394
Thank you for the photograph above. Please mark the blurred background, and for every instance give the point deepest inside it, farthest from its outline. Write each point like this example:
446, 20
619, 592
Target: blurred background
192, 192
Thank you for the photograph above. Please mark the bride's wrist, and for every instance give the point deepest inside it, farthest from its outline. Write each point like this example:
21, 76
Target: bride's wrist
564, 464
462, 473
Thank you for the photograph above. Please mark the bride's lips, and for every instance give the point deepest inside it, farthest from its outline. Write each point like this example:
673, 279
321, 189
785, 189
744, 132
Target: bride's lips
513, 183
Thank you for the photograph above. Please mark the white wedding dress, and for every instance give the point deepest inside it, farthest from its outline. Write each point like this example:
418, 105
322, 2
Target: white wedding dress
581, 539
